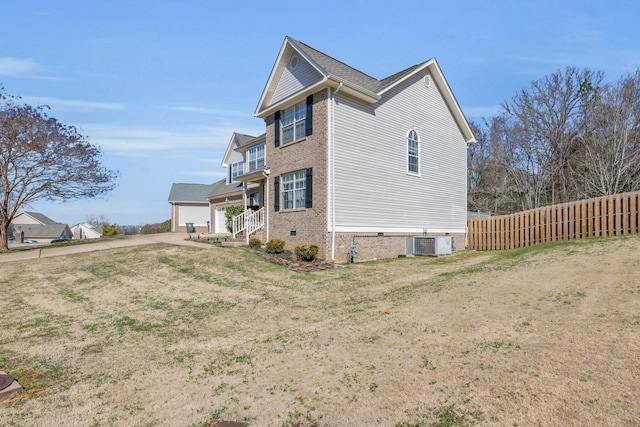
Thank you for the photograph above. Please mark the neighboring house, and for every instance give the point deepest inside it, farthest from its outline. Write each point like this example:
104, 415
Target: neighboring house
347, 158
189, 204
84, 230
39, 227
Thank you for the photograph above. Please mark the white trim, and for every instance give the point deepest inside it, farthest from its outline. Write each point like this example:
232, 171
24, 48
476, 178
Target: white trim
410, 172
412, 230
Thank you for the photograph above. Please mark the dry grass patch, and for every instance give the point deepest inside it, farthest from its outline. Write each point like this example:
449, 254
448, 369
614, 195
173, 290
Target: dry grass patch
162, 335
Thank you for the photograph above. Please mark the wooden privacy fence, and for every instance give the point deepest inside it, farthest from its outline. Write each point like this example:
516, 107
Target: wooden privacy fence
603, 216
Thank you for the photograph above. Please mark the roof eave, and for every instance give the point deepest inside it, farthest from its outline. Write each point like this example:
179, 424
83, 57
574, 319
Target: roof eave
332, 82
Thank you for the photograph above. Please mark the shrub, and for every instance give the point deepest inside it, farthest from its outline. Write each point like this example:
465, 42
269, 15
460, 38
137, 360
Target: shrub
255, 243
110, 230
275, 246
229, 213
306, 251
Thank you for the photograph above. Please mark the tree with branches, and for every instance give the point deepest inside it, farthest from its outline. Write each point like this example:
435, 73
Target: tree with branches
43, 159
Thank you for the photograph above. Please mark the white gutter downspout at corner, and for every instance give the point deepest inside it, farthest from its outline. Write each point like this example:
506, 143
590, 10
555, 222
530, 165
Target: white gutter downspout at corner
333, 171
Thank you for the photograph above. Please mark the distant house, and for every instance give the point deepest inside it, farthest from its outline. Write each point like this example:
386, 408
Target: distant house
84, 230
203, 205
39, 227
189, 204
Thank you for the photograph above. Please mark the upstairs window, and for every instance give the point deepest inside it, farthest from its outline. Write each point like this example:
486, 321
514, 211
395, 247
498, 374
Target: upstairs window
255, 158
235, 170
413, 153
293, 122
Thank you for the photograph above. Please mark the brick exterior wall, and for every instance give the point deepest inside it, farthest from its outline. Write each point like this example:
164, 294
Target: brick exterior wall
371, 246
309, 225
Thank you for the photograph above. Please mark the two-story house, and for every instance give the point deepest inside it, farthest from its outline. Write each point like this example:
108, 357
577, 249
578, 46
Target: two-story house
349, 158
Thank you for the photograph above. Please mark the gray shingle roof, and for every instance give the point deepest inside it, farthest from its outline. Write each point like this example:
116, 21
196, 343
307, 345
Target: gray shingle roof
43, 219
338, 68
221, 187
195, 193
343, 71
247, 139
47, 231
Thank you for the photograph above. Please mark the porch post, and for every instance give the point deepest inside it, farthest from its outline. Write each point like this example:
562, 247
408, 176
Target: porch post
266, 206
244, 214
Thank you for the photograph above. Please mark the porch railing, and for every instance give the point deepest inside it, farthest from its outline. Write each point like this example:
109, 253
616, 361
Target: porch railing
248, 221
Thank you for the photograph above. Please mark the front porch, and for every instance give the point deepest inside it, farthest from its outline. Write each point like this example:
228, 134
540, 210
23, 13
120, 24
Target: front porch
255, 218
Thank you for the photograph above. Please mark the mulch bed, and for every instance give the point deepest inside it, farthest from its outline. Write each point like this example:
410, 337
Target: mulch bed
287, 259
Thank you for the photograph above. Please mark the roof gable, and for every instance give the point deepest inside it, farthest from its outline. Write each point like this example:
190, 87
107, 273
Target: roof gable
237, 140
32, 218
318, 70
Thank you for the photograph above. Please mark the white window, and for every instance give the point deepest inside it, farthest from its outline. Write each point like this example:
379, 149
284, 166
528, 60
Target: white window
236, 169
255, 157
294, 190
293, 122
413, 153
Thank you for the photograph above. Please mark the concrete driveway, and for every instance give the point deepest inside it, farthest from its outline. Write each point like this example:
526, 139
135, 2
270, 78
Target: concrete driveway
147, 239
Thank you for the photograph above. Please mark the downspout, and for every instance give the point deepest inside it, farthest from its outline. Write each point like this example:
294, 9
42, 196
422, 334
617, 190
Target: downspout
333, 171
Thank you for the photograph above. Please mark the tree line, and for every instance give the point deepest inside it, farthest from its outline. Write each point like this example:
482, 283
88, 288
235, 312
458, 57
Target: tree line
565, 137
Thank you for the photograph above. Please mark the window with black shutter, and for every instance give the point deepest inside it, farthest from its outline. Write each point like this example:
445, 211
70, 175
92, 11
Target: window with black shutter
276, 127
276, 193
309, 120
309, 189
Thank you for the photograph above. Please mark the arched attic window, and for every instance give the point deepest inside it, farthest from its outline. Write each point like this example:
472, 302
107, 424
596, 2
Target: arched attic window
413, 153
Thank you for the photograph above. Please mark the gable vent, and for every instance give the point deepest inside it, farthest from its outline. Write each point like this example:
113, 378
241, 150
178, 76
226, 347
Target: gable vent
293, 62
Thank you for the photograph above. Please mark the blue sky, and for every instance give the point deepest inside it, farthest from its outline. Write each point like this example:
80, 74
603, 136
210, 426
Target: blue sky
161, 85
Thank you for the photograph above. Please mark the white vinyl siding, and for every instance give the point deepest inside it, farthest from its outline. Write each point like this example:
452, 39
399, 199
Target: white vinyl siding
292, 81
373, 188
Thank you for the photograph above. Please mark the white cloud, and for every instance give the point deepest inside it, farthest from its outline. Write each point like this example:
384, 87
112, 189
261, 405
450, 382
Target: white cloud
25, 68
207, 111
18, 67
127, 141
71, 104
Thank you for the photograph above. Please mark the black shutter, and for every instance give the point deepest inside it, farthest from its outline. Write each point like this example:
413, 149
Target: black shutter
276, 193
276, 128
309, 120
308, 197
230, 177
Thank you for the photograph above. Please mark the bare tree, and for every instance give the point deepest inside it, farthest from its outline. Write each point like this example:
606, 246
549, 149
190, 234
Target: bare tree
611, 147
550, 115
41, 158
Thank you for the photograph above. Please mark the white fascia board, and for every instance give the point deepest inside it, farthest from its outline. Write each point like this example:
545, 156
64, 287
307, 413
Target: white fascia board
260, 109
227, 153
403, 230
290, 100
